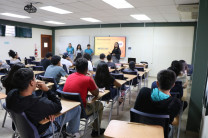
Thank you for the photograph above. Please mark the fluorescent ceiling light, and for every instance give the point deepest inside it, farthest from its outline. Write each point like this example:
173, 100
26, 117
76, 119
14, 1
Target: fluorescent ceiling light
119, 4
90, 19
140, 17
53, 22
55, 10
14, 15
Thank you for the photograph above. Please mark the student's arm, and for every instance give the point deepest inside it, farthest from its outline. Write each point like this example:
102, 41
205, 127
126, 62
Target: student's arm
63, 73
66, 76
116, 83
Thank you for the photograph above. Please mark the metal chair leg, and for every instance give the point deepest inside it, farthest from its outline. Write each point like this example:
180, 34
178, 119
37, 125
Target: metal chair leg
111, 111
4, 118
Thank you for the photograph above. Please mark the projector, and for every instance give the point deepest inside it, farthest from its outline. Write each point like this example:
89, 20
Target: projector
30, 8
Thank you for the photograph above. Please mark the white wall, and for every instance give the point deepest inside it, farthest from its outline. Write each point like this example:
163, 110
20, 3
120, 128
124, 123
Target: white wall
24, 46
156, 45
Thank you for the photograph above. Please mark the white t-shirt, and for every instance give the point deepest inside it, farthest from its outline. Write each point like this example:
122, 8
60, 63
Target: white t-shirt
90, 68
67, 63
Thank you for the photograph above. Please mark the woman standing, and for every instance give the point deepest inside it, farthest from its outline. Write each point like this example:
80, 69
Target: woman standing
116, 53
70, 51
79, 50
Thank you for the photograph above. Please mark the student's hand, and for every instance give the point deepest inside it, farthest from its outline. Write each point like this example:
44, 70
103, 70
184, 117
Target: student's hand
51, 118
42, 86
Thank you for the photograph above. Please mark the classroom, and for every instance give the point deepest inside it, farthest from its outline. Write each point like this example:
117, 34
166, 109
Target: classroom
103, 68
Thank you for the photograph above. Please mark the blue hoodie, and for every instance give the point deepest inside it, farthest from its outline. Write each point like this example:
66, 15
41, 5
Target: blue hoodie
157, 95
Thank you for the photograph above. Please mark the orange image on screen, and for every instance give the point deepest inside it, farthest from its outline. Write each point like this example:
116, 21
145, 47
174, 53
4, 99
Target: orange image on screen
106, 44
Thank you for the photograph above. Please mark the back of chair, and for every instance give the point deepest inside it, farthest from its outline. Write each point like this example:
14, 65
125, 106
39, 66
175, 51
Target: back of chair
135, 80
32, 58
150, 119
25, 128
72, 71
64, 67
190, 69
74, 97
11, 65
50, 79
38, 68
140, 68
94, 69
37, 63
118, 76
8, 62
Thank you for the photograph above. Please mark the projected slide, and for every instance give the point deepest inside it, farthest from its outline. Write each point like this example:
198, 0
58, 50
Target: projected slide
106, 45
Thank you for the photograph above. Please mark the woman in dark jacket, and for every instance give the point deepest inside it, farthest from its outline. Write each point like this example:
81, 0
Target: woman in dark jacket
116, 53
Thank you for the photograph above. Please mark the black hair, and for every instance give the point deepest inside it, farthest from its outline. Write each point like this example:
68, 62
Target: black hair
88, 44
176, 66
87, 56
166, 79
6, 81
79, 55
132, 65
117, 44
80, 47
22, 78
49, 55
109, 57
12, 53
184, 65
65, 55
81, 65
102, 75
102, 56
55, 59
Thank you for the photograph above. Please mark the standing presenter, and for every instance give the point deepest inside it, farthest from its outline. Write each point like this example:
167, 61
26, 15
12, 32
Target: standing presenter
70, 51
116, 53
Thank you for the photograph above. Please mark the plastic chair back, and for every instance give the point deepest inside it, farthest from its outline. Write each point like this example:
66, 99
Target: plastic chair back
64, 67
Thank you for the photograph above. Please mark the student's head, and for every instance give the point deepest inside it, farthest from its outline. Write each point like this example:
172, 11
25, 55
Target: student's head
49, 55
132, 65
184, 65
70, 45
82, 65
55, 60
176, 66
65, 56
116, 45
109, 57
88, 46
24, 79
13, 54
79, 55
166, 79
102, 68
87, 56
79, 47
102, 56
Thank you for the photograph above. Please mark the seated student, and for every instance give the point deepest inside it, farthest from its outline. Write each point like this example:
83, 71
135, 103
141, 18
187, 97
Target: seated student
3, 66
110, 63
159, 100
15, 58
37, 108
55, 70
82, 82
131, 67
102, 59
67, 61
79, 55
183, 74
104, 79
88, 57
46, 61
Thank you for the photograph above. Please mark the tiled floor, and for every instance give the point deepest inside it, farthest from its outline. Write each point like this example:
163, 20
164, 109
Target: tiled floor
7, 132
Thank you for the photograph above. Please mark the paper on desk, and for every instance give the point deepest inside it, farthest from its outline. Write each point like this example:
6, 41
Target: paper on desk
102, 89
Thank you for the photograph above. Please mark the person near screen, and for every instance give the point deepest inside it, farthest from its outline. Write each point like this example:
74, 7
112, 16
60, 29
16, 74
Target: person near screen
116, 53
89, 51
70, 51
79, 50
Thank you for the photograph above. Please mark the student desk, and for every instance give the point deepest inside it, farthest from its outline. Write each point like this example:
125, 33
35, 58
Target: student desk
140, 73
30, 65
129, 77
122, 82
1, 76
184, 98
38, 72
101, 94
123, 129
66, 106
48, 84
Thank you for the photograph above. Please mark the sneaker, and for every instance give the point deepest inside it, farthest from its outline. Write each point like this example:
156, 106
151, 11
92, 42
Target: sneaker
95, 133
75, 135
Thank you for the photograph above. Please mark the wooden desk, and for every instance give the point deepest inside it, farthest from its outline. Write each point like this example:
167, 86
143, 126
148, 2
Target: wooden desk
184, 98
62, 83
121, 81
49, 84
38, 72
30, 65
123, 129
63, 78
129, 77
2, 95
1, 76
101, 94
111, 70
66, 106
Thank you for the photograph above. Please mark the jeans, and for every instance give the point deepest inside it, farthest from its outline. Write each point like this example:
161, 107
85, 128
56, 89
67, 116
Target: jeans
71, 56
72, 118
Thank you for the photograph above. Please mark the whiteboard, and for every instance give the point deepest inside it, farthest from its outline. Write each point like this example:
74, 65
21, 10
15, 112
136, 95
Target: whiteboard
63, 42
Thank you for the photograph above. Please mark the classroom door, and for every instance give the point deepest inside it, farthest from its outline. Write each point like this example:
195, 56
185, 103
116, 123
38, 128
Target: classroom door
46, 45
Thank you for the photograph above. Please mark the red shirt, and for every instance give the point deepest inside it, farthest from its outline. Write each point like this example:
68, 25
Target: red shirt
79, 83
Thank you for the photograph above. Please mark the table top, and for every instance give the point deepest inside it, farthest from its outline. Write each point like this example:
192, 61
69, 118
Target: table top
1, 76
67, 105
29, 65
101, 94
123, 129
146, 70
129, 77
184, 98
141, 73
38, 72
48, 84
2, 95
121, 81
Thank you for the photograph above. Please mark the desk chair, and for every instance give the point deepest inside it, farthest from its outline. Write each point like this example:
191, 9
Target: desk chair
8, 62
150, 119
136, 80
94, 69
49, 79
28, 61
72, 71
38, 68
24, 127
190, 69
64, 67
139, 69
32, 58
37, 63
11, 65
87, 119
144, 62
